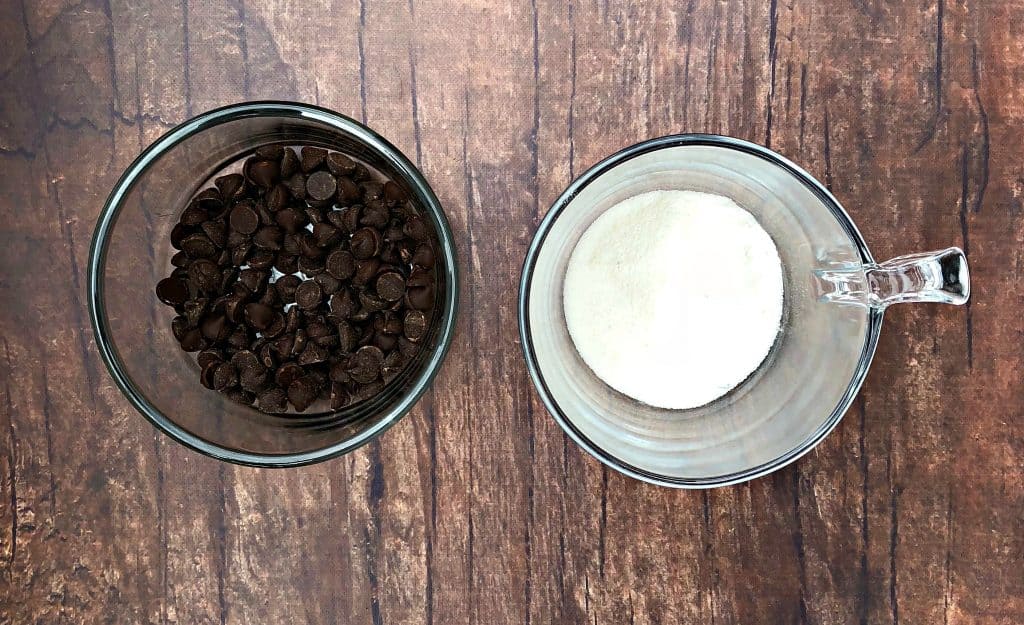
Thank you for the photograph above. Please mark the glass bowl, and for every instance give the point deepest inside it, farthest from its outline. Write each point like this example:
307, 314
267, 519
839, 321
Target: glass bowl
131, 252
835, 295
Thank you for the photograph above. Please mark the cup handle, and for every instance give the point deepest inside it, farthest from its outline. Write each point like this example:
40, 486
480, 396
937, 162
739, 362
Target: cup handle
940, 276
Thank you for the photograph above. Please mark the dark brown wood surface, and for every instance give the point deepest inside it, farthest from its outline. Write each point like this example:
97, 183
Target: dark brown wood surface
910, 512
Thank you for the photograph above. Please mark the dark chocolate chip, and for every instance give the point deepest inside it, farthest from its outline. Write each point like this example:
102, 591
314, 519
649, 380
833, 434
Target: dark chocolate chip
423, 256
259, 316
339, 164
224, 376
273, 399
416, 228
325, 234
263, 173
262, 259
205, 275
366, 270
312, 158
391, 286
348, 191
393, 193
289, 163
230, 185
198, 245
341, 264
321, 186
302, 393
278, 197
415, 325
308, 295
215, 328
172, 291
365, 243
268, 238
328, 283
270, 152
244, 218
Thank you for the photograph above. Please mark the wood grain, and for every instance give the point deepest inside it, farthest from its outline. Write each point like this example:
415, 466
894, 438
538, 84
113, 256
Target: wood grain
476, 508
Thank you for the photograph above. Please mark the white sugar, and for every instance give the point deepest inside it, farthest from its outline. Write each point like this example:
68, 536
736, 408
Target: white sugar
674, 297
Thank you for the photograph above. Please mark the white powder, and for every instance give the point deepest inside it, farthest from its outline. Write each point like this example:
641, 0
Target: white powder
674, 297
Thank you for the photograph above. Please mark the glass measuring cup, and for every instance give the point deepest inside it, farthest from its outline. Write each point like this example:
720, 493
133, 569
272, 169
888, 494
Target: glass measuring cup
835, 297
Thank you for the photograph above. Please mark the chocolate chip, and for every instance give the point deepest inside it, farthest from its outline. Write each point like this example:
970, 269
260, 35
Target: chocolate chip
252, 379
272, 400
386, 342
270, 152
423, 256
208, 367
278, 197
302, 393
312, 158
276, 326
296, 185
348, 338
207, 356
239, 338
341, 264
180, 259
365, 243
391, 286
344, 303
394, 194
259, 316
328, 283
289, 163
375, 214
179, 326
194, 215
288, 373
216, 231
325, 234
366, 270
292, 319
416, 228
215, 328
240, 396
415, 325
350, 218
263, 173
262, 259
365, 364
178, 234
224, 376
198, 245
310, 266
286, 263
348, 191
419, 278
321, 186
268, 237
194, 311
244, 219
371, 302
230, 185
204, 275
253, 279
339, 396
286, 286
192, 340
339, 164
172, 291
312, 354
421, 298
308, 295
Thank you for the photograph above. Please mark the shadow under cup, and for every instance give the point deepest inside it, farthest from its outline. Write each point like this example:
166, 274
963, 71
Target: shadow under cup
789, 403
131, 253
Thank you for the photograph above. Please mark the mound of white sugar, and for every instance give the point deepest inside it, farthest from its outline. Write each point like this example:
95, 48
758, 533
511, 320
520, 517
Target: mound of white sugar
674, 297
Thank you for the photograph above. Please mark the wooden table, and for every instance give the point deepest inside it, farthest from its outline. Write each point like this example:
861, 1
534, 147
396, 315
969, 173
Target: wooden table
476, 508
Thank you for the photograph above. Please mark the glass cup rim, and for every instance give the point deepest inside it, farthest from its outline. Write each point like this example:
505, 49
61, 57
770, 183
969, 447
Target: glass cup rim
607, 164
166, 142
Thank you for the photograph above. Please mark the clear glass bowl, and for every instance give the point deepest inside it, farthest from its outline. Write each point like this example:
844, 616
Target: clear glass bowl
131, 252
835, 295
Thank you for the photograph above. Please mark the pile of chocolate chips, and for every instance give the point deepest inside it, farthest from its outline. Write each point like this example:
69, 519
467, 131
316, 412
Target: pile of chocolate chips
302, 278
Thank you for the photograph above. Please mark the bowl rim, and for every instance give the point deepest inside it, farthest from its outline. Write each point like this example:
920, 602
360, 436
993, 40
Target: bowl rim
559, 206
167, 141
